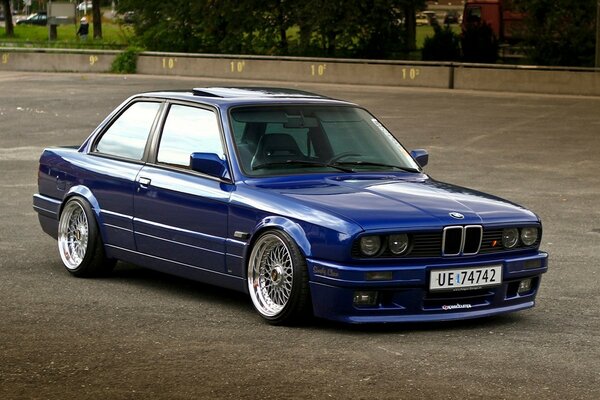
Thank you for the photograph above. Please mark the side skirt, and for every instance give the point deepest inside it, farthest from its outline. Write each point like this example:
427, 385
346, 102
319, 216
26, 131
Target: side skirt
178, 269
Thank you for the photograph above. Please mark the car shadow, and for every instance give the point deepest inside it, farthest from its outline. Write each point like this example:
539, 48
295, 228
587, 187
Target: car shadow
171, 285
484, 323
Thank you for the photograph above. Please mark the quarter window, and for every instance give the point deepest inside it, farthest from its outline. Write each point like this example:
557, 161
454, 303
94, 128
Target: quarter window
128, 135
189, 130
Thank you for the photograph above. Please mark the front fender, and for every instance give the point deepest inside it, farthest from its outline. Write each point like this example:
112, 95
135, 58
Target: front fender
314, 241
287, 225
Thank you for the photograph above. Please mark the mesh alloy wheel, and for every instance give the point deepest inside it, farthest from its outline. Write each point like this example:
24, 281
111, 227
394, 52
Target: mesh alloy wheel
277, 279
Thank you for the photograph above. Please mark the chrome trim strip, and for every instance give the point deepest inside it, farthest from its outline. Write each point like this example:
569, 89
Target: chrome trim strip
175, 229
117, 227
180, 243
115, 214
38, 209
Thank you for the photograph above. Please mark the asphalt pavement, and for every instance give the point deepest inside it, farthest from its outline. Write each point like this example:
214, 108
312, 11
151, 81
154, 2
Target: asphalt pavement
140, 334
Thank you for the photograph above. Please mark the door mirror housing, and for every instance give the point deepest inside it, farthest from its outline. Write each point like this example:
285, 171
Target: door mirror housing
209, 164
421, 156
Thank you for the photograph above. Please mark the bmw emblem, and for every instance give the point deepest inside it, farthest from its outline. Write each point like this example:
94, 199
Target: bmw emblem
457, 215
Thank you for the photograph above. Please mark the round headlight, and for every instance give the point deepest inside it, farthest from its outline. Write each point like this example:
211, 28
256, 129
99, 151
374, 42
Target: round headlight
510, 237
370, 245
398, 244
529, 236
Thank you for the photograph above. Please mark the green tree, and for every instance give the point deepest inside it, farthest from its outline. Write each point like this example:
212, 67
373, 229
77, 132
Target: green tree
167, 26
409, 10
97, 17
335, 22
8, 23
275, 17
381, 33
560, 32
335, 28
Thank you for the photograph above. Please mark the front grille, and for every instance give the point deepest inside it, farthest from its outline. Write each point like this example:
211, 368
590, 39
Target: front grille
492, 241
465, 240
426, 245
452, 241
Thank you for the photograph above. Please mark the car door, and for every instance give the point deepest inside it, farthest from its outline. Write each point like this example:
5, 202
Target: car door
181, 215
112, 167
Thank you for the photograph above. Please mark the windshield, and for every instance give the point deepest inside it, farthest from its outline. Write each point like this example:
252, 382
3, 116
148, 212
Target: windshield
311, 139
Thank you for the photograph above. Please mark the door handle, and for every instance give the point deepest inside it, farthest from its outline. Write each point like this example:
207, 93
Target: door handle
144, 183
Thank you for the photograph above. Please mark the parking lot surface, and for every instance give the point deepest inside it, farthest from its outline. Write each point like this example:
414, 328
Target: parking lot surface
142, 334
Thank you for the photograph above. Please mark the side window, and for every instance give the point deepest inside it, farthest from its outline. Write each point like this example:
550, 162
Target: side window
189, 130
127, 136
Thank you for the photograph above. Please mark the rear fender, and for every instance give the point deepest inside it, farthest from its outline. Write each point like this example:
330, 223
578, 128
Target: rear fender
84, 192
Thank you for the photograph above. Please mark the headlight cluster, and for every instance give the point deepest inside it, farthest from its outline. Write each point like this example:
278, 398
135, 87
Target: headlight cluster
397, 244
511, 237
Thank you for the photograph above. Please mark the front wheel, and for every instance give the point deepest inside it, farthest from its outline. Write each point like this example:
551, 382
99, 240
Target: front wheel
79, 243
278, 279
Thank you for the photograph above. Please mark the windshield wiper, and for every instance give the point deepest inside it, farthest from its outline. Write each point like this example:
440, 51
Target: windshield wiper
302, 162
376, 164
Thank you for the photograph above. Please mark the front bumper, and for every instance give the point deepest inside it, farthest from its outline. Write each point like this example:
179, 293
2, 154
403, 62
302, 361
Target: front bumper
406, 298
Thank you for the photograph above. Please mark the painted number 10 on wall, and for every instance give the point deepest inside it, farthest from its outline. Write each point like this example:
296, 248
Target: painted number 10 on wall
410, 73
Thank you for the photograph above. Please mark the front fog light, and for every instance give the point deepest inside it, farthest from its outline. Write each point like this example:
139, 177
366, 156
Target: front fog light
524, 286
370, 245
365, 298
529, 236
510, 237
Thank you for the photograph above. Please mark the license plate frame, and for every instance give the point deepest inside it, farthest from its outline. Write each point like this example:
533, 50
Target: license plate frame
467, 278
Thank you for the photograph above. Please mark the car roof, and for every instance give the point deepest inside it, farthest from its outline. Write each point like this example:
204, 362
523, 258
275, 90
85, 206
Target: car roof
233, 96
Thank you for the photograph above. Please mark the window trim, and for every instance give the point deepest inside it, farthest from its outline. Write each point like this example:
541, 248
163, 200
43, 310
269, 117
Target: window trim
154, 144
93, 148
161, 132
296, 104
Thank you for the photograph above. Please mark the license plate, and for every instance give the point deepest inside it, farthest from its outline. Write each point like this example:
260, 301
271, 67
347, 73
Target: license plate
465, 278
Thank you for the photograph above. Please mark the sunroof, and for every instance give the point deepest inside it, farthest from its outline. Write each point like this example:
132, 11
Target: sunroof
252, 92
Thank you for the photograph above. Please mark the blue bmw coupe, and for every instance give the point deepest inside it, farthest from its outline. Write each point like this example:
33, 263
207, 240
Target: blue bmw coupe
306, 203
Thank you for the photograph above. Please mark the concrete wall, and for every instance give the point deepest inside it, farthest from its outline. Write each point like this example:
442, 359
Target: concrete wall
334, 71
297, 70
528, 80
51, 60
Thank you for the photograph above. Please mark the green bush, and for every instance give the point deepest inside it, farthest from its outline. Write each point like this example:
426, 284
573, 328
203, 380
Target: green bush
444, 45
126, 62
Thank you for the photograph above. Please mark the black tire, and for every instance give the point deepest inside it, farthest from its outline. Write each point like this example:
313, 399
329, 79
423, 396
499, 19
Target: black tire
79, 243
278, 279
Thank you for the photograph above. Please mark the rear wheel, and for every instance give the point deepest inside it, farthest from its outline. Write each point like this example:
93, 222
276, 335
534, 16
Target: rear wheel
79, 243
278, 279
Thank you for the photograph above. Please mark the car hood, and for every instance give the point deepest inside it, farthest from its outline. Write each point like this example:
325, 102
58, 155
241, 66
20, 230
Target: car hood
377, 203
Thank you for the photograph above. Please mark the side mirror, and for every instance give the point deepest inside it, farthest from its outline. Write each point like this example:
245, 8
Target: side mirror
209, 164
421, 156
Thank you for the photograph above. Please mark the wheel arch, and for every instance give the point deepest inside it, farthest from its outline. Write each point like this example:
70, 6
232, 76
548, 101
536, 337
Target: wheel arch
292, 228
85, 193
